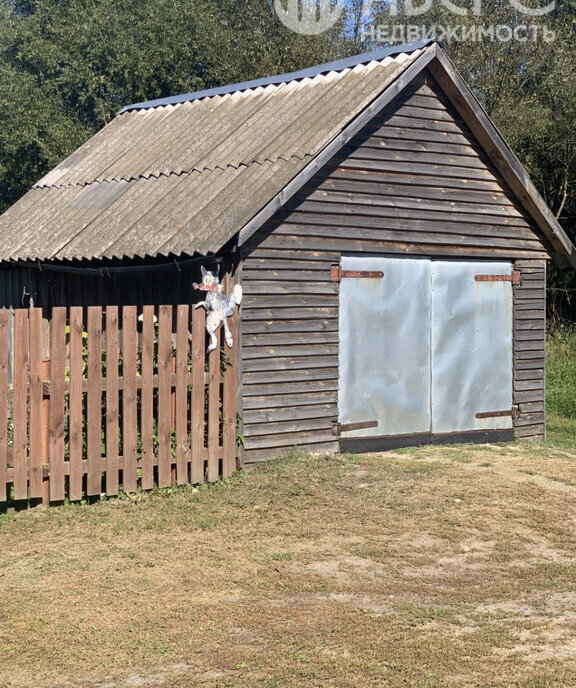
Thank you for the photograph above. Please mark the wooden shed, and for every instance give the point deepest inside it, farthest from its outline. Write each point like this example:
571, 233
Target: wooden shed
391, 248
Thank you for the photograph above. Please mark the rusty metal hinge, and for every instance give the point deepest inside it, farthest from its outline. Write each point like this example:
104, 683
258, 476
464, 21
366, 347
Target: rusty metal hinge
338, 274
514, 277
513, 413
339, 428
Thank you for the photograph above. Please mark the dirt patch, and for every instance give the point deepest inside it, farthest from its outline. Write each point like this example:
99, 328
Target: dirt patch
432, 567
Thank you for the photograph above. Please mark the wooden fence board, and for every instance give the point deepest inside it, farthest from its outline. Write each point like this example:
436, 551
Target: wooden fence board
182, 441
214, 379
75, 423
197, 394
94, 401
112, 401
229, 403
20, 412
36, 460
4, 332
57, 403
129, 408
164, 400
146, 407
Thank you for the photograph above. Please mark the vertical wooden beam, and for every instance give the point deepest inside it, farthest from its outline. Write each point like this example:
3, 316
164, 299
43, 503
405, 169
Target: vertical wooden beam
36, 394
164, 400
214, 379
181, 397
129, 408
239, 358
57, 403
147, 408
4, 330
46, 413
197, 394
229, 403
173, 478
75, 430
94, 402
20, 411
112, 401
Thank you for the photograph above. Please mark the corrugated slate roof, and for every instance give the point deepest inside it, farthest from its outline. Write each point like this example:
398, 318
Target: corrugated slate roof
166, 178
336, 66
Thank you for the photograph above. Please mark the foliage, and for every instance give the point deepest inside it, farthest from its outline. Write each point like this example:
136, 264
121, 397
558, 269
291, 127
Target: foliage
67, 66
560, 386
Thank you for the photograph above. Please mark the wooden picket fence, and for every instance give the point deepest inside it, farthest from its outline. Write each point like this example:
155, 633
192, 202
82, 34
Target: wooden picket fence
98, 400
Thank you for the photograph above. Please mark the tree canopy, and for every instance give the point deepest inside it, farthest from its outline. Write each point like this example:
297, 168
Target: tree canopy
67, 67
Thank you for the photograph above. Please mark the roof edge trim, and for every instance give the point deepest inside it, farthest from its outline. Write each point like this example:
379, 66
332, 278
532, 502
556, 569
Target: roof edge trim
502, 156
310, 72
481, 126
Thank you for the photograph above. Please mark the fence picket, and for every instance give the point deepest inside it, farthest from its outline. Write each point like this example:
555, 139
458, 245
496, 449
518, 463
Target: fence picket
75, 430
147, 408
129, 408
164, 396
112, 401
57, 403
193, 413
4, 332
94, 402
229, 403
197, 395
182, 441
214, 380
36, 394
20, 412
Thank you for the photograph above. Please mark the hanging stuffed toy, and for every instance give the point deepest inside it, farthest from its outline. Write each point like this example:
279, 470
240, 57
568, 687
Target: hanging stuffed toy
218, 306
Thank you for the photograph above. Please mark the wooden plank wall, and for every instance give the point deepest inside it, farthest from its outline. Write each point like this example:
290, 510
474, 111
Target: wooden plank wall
24, 287
530, 349
413, 182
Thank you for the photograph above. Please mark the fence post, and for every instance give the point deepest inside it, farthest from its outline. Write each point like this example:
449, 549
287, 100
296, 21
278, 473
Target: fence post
4, 332
229, 403
173, 410
46, 432
198, 394
214, 377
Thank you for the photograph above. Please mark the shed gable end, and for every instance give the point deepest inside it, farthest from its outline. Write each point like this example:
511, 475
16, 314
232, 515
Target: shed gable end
414, 181
415, 178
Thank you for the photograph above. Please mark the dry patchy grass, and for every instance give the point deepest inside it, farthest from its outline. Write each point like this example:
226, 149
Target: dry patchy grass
429, 567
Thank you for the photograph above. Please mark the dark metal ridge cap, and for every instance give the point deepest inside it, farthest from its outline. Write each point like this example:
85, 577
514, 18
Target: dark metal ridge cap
310, 72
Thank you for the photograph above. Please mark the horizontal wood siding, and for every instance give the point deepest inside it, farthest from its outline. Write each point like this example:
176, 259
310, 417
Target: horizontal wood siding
290, 352
413, 182
530, 349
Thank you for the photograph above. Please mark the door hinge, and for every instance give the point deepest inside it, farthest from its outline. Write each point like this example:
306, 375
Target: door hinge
339, 428
514, 277
513, 413
338, 274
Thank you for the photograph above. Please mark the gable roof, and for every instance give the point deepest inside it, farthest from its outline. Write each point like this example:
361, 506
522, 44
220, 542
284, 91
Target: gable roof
184, 175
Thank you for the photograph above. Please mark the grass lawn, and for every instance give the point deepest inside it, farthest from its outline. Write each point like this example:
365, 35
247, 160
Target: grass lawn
426, 567
561, 389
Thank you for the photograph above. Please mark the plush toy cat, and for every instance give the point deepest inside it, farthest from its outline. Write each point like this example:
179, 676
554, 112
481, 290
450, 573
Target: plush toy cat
217, 305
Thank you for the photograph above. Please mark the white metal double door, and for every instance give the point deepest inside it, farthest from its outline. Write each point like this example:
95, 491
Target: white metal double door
424, 347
